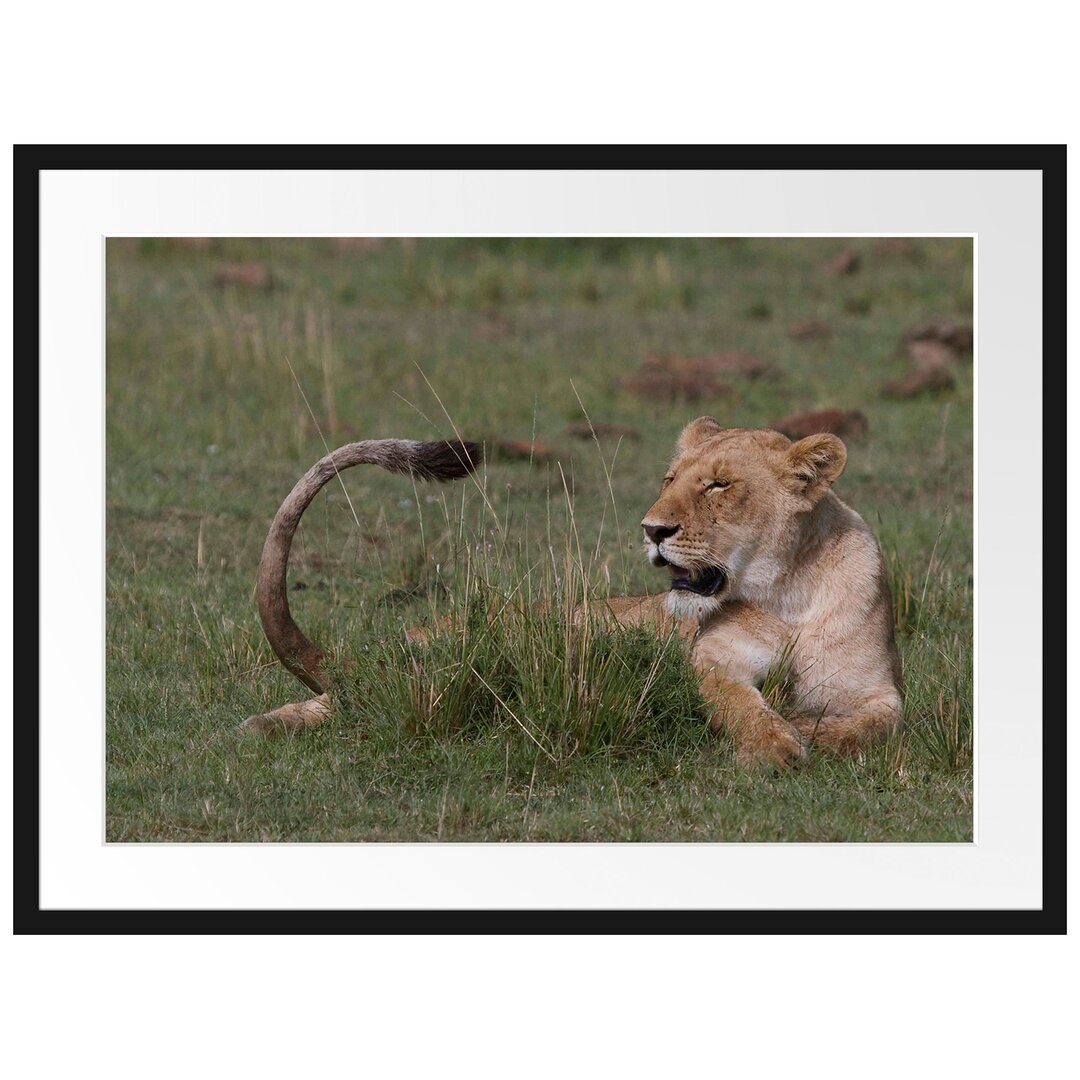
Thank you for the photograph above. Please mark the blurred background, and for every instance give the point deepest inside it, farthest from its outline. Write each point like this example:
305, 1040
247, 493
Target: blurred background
227, 358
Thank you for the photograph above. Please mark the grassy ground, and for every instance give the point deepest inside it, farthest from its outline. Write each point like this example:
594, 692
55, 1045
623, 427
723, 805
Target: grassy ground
215, 401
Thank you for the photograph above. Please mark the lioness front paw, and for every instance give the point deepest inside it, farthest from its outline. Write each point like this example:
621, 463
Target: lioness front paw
775, 743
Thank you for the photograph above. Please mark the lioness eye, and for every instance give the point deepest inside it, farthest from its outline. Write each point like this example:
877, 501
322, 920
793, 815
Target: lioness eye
718, 485
667, 480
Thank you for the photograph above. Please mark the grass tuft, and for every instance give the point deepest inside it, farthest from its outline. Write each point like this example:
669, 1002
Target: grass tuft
536, 679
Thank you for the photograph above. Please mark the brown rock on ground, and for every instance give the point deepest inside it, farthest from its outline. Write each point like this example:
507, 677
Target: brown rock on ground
930, 354
523, 450
933, 359
808, 328
581, 429
672, 387
921, 381
953, 335
729, 363
248, 275
847, 262
832, 421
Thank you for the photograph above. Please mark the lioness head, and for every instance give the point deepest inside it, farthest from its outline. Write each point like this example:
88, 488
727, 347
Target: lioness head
731, 510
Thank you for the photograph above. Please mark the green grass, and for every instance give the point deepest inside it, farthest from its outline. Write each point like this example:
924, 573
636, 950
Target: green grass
533, 729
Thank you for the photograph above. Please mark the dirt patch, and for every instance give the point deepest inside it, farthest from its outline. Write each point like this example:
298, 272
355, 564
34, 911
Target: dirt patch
920, 381
245, 275
845, 264
728, 363
522, 450
932, 358
582, 429
954, 335
849, 422
808, 329
930, 354
671, 387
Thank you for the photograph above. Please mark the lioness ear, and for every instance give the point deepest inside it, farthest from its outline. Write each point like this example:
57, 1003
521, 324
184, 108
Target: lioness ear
817, 461
697, 431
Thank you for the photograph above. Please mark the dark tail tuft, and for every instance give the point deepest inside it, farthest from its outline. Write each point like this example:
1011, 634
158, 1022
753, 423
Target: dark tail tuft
446, 459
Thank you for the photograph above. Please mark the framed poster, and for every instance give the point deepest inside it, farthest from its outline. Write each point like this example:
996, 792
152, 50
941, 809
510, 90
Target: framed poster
238, 319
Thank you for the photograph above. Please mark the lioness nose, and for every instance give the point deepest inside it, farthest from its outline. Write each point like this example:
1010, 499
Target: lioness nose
657, 533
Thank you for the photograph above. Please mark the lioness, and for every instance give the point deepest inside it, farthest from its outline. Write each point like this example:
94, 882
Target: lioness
767, 566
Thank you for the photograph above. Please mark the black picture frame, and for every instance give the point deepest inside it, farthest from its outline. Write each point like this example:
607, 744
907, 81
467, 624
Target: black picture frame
31, 160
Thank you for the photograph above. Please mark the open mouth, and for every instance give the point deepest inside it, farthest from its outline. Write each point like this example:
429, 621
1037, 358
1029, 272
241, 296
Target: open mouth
706, 582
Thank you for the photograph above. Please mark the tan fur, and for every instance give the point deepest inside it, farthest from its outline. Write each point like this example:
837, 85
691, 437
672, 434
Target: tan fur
804, 583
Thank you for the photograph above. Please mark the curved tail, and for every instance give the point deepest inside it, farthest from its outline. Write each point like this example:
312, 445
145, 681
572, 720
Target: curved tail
425, 460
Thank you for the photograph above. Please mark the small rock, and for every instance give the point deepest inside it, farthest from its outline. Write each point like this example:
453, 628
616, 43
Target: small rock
248, 275
729, 363
930, 354
847, 262
523, 450
808, 328
932, 360
670, 386
921, 381
958, 337
832, 421
582, 430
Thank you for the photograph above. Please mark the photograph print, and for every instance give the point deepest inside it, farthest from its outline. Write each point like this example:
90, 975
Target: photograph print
539, 539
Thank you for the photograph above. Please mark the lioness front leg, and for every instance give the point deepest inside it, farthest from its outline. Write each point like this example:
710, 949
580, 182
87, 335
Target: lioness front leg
297, 716
761, 735
733, 655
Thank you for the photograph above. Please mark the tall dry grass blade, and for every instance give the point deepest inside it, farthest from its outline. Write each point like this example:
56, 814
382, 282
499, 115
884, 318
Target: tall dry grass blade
510, 712
930, 564
458, 435
607, 476
326, 357
326, 445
